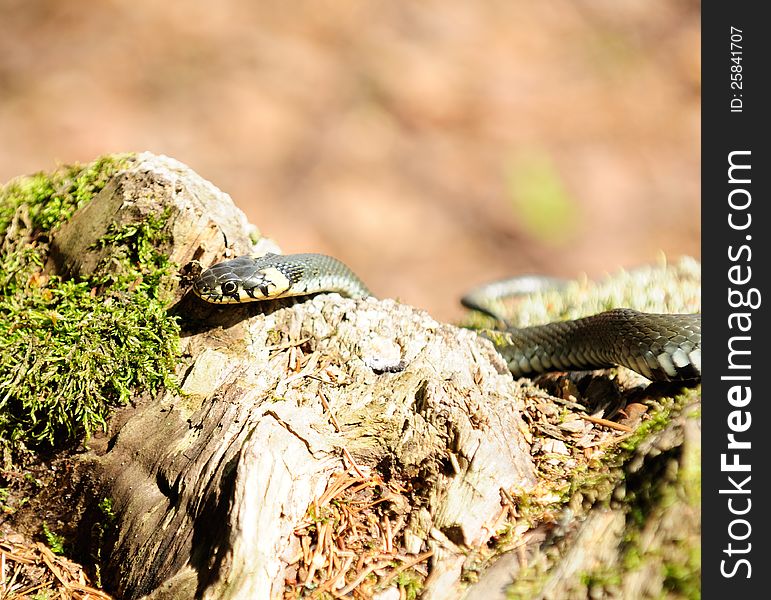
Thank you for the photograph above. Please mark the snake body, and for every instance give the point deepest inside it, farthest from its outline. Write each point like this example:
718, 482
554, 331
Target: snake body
662, 347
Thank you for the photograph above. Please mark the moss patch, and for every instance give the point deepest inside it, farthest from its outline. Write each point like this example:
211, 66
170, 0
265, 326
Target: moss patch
71, 350
665, 287
653, 482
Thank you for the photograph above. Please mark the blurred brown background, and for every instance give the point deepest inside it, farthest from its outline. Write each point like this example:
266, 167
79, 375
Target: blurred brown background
431, 145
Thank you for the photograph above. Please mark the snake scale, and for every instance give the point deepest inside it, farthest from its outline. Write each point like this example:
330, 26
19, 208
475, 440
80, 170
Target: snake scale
662, 347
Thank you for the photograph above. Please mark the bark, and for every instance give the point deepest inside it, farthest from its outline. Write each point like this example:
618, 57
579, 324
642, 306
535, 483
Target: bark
213, 484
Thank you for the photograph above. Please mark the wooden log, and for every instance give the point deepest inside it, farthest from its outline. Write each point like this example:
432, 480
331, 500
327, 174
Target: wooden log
334, 446
216, 485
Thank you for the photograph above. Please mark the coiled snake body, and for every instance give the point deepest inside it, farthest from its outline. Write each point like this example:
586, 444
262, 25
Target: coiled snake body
662, 347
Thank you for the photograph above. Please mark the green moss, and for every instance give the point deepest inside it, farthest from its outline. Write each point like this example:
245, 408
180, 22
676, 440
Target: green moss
670, 480
71, 350
411, 582
103, 526
529, 582
54, 541
50, 199
600, 578
659, 418
106, 508
669, 483
685, 579
639, 288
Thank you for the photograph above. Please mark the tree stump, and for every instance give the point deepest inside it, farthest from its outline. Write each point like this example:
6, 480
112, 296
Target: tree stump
212, 483
329, 447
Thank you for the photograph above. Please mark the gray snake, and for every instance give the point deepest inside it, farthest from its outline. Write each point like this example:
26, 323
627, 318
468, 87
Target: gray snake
662, 347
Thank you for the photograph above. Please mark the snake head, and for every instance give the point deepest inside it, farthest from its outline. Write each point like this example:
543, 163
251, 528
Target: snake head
212, 287
272, 276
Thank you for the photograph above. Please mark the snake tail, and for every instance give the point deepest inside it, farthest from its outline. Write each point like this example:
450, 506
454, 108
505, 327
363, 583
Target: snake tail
660, 347
249, 278
487, 298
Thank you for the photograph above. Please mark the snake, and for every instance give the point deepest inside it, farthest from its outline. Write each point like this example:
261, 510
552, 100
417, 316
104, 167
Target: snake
661, 347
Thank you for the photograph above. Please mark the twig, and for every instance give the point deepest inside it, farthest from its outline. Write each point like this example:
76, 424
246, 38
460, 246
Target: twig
606, 423
354, 466
410, 563
362, 576
325, 404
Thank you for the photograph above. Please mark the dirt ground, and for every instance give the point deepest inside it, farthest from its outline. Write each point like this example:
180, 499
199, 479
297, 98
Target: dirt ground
432, 145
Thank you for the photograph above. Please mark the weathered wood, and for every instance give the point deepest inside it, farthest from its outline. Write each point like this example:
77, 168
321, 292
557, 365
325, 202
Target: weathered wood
322, 445
599, 547
210, 483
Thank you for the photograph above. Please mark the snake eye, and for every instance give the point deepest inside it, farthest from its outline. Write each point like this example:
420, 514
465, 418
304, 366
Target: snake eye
229, 288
